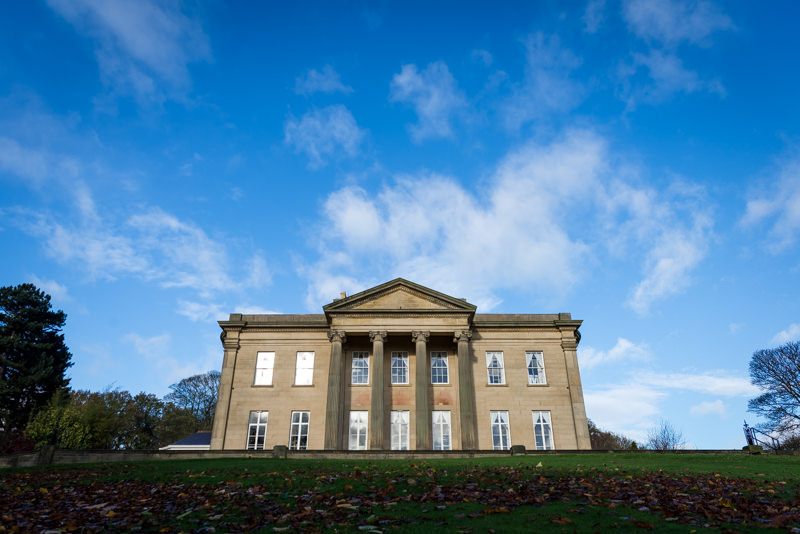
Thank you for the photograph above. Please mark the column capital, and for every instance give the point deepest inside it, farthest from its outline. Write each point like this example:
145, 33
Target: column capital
378, 335
337, 335
420, 336
461, 335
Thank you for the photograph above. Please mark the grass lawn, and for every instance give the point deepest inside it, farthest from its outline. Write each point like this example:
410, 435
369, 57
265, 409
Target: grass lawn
553, 493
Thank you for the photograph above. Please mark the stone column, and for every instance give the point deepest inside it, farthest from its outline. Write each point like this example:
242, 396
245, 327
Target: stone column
570, 337
423, 404
377, 411
466, 391
334, 411
219, 430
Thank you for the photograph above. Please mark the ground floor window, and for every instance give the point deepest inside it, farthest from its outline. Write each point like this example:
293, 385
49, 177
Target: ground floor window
358, 431
399, 430
501, 431
441, 431
543, 431
298, 437
257, 430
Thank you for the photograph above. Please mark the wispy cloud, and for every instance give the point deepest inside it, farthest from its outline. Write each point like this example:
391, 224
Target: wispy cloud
710, 382
325, 133
716, 407
325, 81
593, 16
519, 234
778, 203
791, 333
673, 21
143, 48
624, 350
548, 86
57, 291
434, 95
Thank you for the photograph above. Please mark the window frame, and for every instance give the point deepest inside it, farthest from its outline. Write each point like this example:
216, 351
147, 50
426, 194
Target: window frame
445, 439
362, 355
444, 357
359, 421
546, 423
400, 425
490, 355
300, 425
256, 426
538, 369
501, 429
306, 372
267, 371
400, 356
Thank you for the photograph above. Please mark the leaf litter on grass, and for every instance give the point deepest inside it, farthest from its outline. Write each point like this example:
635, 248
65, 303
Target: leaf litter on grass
377, 498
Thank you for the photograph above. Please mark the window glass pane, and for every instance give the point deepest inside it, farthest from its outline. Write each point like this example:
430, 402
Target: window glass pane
439, 371
360, 374
501, 432
399, 421
304, 371
441, 430
399, 368
543, 431
494, 368
257, 430
535, 363
298, 437
265, 362
358, 430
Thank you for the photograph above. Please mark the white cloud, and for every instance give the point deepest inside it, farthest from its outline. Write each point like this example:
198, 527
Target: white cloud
143, 47
624, 350
791, 333
57, 291
709, 382
24, 162
735, 327
674, 21
670, 262
593, 16
325, 81
201, 311
779, 204
665, 77
246, 309
628, 409
516, 233
547, 86
484, 56
716, 407
157, 353
324, 133
435, 96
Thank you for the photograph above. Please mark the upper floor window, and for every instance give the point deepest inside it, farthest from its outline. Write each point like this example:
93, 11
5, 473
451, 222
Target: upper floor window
257, 430
399, 368
304, 371
535, 363
495, 368
543, 431
501, 431
439, 374
265, 363
360, 368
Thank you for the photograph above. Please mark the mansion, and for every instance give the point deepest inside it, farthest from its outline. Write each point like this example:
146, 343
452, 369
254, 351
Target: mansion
400, 367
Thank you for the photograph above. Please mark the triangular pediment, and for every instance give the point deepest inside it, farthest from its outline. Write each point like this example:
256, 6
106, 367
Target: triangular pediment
399, 295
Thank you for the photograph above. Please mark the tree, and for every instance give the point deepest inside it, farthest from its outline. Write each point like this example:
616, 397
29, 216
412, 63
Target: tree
33, 355
777, 372
665, 437
605, 440
198, 394
142, 418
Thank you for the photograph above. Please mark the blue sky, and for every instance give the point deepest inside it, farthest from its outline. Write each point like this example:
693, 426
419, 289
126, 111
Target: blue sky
634, 162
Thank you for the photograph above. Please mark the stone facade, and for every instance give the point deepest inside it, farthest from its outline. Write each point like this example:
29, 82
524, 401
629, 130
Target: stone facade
429, 373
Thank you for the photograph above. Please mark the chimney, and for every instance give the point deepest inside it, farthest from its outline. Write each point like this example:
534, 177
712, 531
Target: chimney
343, 295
